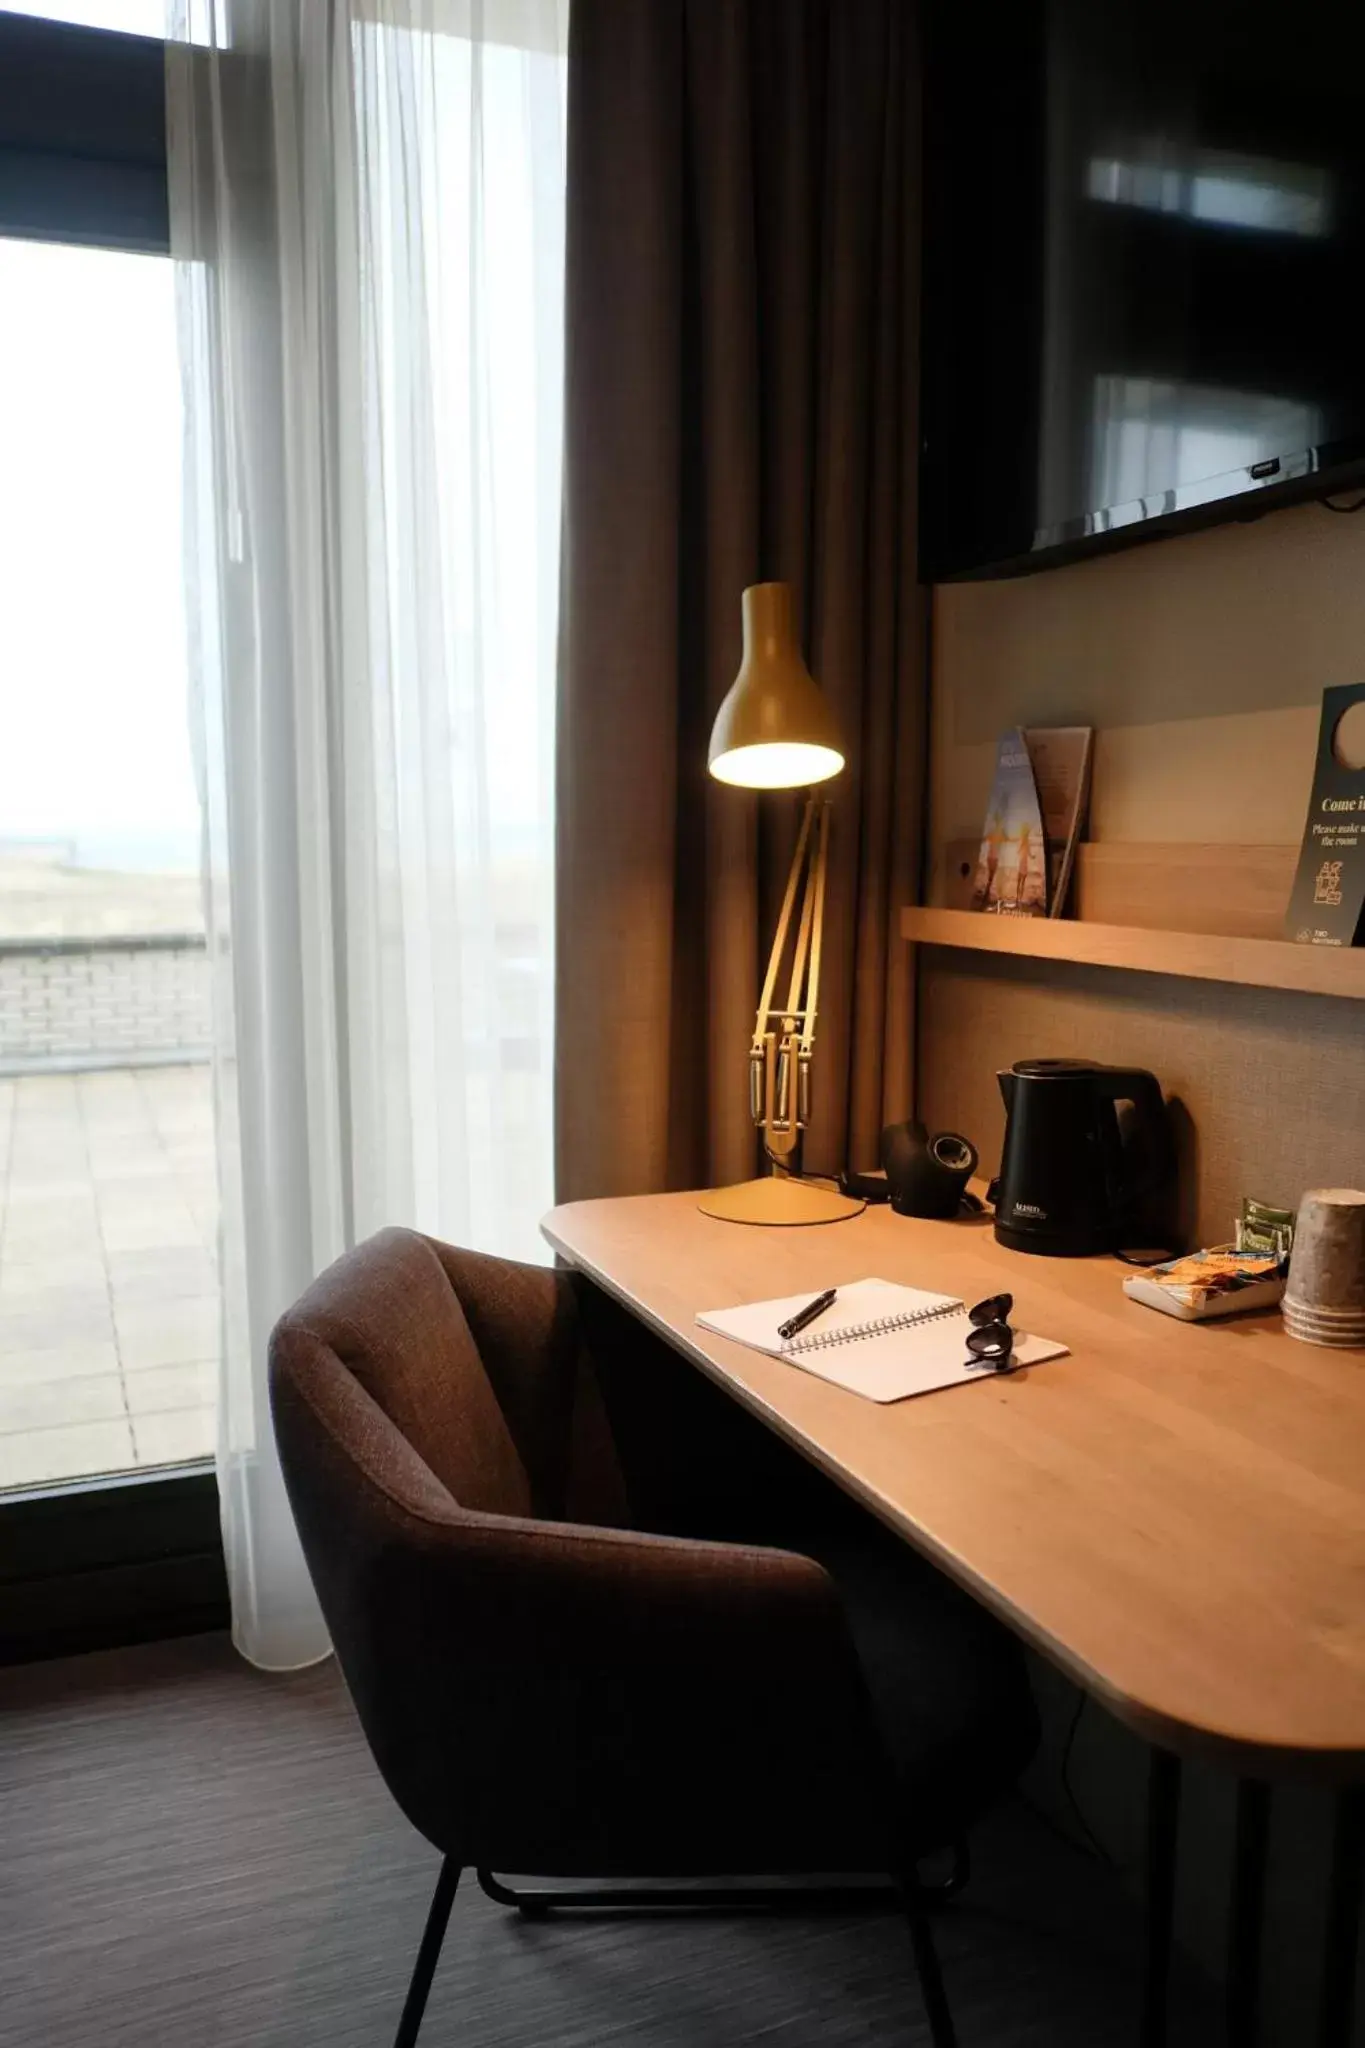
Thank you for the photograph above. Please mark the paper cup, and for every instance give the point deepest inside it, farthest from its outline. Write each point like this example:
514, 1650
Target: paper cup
1327, 1264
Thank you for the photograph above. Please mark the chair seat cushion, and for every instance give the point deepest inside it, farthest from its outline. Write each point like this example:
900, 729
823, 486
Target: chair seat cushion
949, 1683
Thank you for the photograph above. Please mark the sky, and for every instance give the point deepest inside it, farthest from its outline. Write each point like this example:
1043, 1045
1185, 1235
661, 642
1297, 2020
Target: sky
93, 731
94, 736
138, 17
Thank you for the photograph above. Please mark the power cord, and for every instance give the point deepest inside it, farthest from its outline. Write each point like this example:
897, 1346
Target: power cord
1090, 1842
821, 1180
1329, 506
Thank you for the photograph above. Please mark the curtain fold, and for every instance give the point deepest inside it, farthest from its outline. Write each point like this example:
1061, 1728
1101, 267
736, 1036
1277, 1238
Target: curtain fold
367, 213
741, 363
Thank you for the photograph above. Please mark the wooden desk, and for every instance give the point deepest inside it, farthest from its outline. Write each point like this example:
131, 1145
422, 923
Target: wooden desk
1174, 1514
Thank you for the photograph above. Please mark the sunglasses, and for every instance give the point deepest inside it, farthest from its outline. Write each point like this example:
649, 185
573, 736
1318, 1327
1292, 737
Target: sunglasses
990, 1339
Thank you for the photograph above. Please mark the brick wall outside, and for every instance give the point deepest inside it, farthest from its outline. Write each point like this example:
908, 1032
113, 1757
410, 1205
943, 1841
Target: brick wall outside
102, 1002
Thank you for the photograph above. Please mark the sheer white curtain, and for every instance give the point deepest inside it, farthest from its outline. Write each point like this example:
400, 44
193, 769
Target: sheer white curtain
368, 203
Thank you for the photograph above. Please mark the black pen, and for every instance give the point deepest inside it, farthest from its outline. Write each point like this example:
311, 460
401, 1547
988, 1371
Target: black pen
806, 1315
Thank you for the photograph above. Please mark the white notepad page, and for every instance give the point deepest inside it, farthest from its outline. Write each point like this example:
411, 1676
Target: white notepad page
877, 1339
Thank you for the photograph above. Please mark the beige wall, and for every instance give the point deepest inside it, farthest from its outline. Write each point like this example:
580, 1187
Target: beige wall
1201, 662
1267, 1088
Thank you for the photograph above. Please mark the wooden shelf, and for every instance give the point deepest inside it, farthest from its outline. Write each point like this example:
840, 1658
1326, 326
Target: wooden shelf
1200, 956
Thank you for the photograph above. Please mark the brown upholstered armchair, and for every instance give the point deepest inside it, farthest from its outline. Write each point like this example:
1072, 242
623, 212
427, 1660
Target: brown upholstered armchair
547, 1690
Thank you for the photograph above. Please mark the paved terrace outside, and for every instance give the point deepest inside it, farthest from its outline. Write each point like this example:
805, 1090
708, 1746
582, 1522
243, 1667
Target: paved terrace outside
108, 1285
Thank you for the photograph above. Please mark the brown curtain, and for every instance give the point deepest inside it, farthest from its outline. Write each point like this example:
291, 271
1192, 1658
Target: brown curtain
741, 406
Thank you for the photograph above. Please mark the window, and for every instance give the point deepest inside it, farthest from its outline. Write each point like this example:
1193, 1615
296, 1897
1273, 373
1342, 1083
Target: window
108, 1301
108, 1295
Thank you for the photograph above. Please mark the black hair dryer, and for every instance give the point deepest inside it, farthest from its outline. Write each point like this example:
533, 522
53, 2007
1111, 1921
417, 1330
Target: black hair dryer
926, 1176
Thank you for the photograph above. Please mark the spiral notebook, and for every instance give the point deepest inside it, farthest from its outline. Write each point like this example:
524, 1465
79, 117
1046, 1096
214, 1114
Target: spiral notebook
877, 1339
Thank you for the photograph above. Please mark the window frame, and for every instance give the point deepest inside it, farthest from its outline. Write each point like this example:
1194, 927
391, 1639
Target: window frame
82, 136
94, 1563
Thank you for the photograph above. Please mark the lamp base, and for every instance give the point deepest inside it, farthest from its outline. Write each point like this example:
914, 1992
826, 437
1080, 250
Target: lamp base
778, 1201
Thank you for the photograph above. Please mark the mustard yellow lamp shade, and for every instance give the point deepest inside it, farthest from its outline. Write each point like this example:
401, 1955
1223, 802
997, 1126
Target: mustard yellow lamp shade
775, 729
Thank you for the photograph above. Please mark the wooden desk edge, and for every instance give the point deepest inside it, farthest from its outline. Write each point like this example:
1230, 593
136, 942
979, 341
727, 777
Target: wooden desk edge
1248, 1757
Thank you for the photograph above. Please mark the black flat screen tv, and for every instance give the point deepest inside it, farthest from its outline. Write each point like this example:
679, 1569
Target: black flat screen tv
1144, 267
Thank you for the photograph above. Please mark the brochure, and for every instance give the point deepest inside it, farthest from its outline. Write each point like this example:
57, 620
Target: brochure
1035, 817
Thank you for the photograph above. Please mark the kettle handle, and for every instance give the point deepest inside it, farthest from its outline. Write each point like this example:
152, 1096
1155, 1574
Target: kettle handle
1143, 1090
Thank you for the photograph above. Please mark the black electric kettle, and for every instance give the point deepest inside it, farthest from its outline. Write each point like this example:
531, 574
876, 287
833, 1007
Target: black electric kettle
1087, 1157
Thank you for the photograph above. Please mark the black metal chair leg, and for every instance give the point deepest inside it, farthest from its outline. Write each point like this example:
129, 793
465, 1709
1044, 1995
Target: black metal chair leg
942, 2032
535, 1903
428, 1954
915, 1901
1163, 1823
938, 1892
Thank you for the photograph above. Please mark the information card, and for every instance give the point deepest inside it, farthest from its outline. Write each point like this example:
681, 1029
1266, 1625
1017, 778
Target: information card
1328, 902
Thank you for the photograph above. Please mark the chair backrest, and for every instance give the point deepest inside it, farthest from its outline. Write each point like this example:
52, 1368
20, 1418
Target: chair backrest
432, 1404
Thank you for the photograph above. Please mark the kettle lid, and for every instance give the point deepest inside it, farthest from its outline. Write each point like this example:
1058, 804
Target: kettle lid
1055, 1070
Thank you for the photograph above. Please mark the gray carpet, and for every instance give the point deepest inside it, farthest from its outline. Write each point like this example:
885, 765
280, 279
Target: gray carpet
191, 1853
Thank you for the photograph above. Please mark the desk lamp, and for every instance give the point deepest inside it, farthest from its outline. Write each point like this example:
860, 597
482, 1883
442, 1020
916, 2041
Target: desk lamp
775, 730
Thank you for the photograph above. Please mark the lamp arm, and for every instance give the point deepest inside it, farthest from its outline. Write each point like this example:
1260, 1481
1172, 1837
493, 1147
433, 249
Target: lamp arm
817, 934
801, 954
765, 1001
780, 1054
763, 1052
